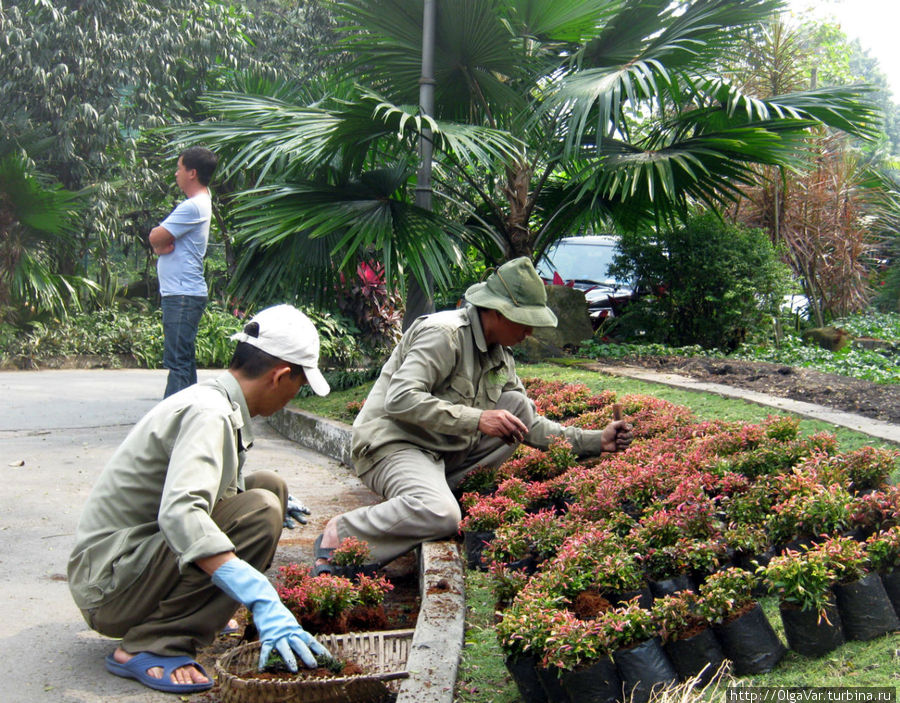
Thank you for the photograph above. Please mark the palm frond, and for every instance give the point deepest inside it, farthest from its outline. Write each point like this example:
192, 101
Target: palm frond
569, 21
846, 108
661, 181
641, 56
359, 217
476, 57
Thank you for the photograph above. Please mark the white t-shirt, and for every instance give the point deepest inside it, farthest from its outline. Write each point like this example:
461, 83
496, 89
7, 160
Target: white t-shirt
181, 271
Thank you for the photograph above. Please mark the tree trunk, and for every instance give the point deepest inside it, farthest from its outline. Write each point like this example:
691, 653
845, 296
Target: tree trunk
518, 234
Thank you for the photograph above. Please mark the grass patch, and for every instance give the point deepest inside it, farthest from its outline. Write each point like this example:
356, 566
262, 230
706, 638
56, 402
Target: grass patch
482, 676
334, 405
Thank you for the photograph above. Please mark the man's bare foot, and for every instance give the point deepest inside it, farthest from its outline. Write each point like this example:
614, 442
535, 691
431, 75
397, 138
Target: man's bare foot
186, 674
330, 538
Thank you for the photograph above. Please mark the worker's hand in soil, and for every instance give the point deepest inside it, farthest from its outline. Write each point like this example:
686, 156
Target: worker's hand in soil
616, 436
503, 424
295, 511
277, 626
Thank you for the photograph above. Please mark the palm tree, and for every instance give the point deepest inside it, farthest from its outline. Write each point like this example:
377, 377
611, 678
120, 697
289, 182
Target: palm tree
36, 224
551, 117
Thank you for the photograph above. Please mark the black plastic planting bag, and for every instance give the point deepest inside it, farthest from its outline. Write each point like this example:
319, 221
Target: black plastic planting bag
810, 635
866, 610
523, 670
475, 542
699, 653
549, 678
670, 586
750, 642
644, 669
891, 582
597, 683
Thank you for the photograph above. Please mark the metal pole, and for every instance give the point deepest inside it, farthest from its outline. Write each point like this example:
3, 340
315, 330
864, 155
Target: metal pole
419, 300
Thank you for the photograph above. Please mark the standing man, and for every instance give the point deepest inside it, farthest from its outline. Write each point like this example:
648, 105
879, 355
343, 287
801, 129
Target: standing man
180, 242
174, 535
448, 400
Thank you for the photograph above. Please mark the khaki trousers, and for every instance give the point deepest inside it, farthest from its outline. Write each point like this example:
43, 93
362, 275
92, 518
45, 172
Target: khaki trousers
171, 613
417, 486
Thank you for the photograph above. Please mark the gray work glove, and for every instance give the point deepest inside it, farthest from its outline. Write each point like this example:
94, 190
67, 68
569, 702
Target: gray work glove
295, 510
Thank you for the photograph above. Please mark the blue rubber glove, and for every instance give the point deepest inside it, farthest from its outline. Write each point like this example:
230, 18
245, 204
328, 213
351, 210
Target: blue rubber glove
295, 510
277, 626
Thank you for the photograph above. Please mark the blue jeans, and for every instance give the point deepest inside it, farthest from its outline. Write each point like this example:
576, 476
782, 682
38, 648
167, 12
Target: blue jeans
181, 317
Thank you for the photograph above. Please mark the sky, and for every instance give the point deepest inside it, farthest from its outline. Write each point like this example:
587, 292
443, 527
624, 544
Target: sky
876, 23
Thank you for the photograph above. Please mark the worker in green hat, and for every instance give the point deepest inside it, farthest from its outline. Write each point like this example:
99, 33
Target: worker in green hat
449, 400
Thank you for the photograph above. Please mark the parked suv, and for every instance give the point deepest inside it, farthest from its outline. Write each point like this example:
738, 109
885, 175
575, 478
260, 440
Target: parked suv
585, 261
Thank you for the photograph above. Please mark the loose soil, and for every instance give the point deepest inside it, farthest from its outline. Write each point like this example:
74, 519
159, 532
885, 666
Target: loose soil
874, 400
350, 669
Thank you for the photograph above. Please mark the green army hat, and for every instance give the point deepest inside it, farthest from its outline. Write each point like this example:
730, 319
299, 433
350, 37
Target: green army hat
516, 292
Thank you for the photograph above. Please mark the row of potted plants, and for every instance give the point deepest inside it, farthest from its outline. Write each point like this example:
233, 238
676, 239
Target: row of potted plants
669, 539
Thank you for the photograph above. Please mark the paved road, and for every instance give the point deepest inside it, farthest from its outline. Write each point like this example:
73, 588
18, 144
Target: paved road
57, 429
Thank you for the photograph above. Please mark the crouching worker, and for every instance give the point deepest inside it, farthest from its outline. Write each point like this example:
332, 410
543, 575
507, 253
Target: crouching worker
174, 536
449, 400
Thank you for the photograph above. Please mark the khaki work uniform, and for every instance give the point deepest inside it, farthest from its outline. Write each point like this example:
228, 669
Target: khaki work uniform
417, 434
173, 493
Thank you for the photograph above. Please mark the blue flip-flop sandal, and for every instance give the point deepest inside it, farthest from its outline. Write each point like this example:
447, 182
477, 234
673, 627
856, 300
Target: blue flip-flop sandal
136, 668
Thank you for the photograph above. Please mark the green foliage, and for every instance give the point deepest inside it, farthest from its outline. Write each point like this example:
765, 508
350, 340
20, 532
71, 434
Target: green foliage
533, 131
119, 335
83, 81
86, 83
869, 364
37, 221
800, 579
711, 283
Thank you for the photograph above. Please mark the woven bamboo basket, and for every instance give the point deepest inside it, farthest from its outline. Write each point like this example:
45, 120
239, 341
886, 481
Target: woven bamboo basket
382, 655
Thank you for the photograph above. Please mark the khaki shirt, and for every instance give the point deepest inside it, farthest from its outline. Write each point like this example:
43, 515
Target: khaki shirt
160, 486
433, 388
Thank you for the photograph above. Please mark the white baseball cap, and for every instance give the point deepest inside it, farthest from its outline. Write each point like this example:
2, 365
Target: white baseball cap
287, 334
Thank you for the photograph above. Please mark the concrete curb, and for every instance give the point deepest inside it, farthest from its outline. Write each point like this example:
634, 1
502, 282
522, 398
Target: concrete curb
440, 628
320, 434
866, 425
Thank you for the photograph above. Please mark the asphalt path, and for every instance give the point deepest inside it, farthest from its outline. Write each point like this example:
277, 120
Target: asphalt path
57, 430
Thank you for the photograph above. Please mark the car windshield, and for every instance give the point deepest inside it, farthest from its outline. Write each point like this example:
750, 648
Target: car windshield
580, 262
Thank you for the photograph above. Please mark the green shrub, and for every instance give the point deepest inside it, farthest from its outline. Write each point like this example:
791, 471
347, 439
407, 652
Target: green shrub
135, 331
707, 282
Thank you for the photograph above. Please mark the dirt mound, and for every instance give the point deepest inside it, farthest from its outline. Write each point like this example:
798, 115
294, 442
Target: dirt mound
881, 402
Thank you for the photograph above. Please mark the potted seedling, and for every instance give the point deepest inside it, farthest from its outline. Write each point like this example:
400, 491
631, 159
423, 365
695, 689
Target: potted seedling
581, 650
484, 514
687, 636
866, 611
802, 582
747, 638
883, 550
352, 558
523, 632
801, 519
637, 651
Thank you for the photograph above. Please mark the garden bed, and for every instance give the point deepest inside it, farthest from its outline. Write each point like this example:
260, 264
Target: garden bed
875, 400
706, 502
